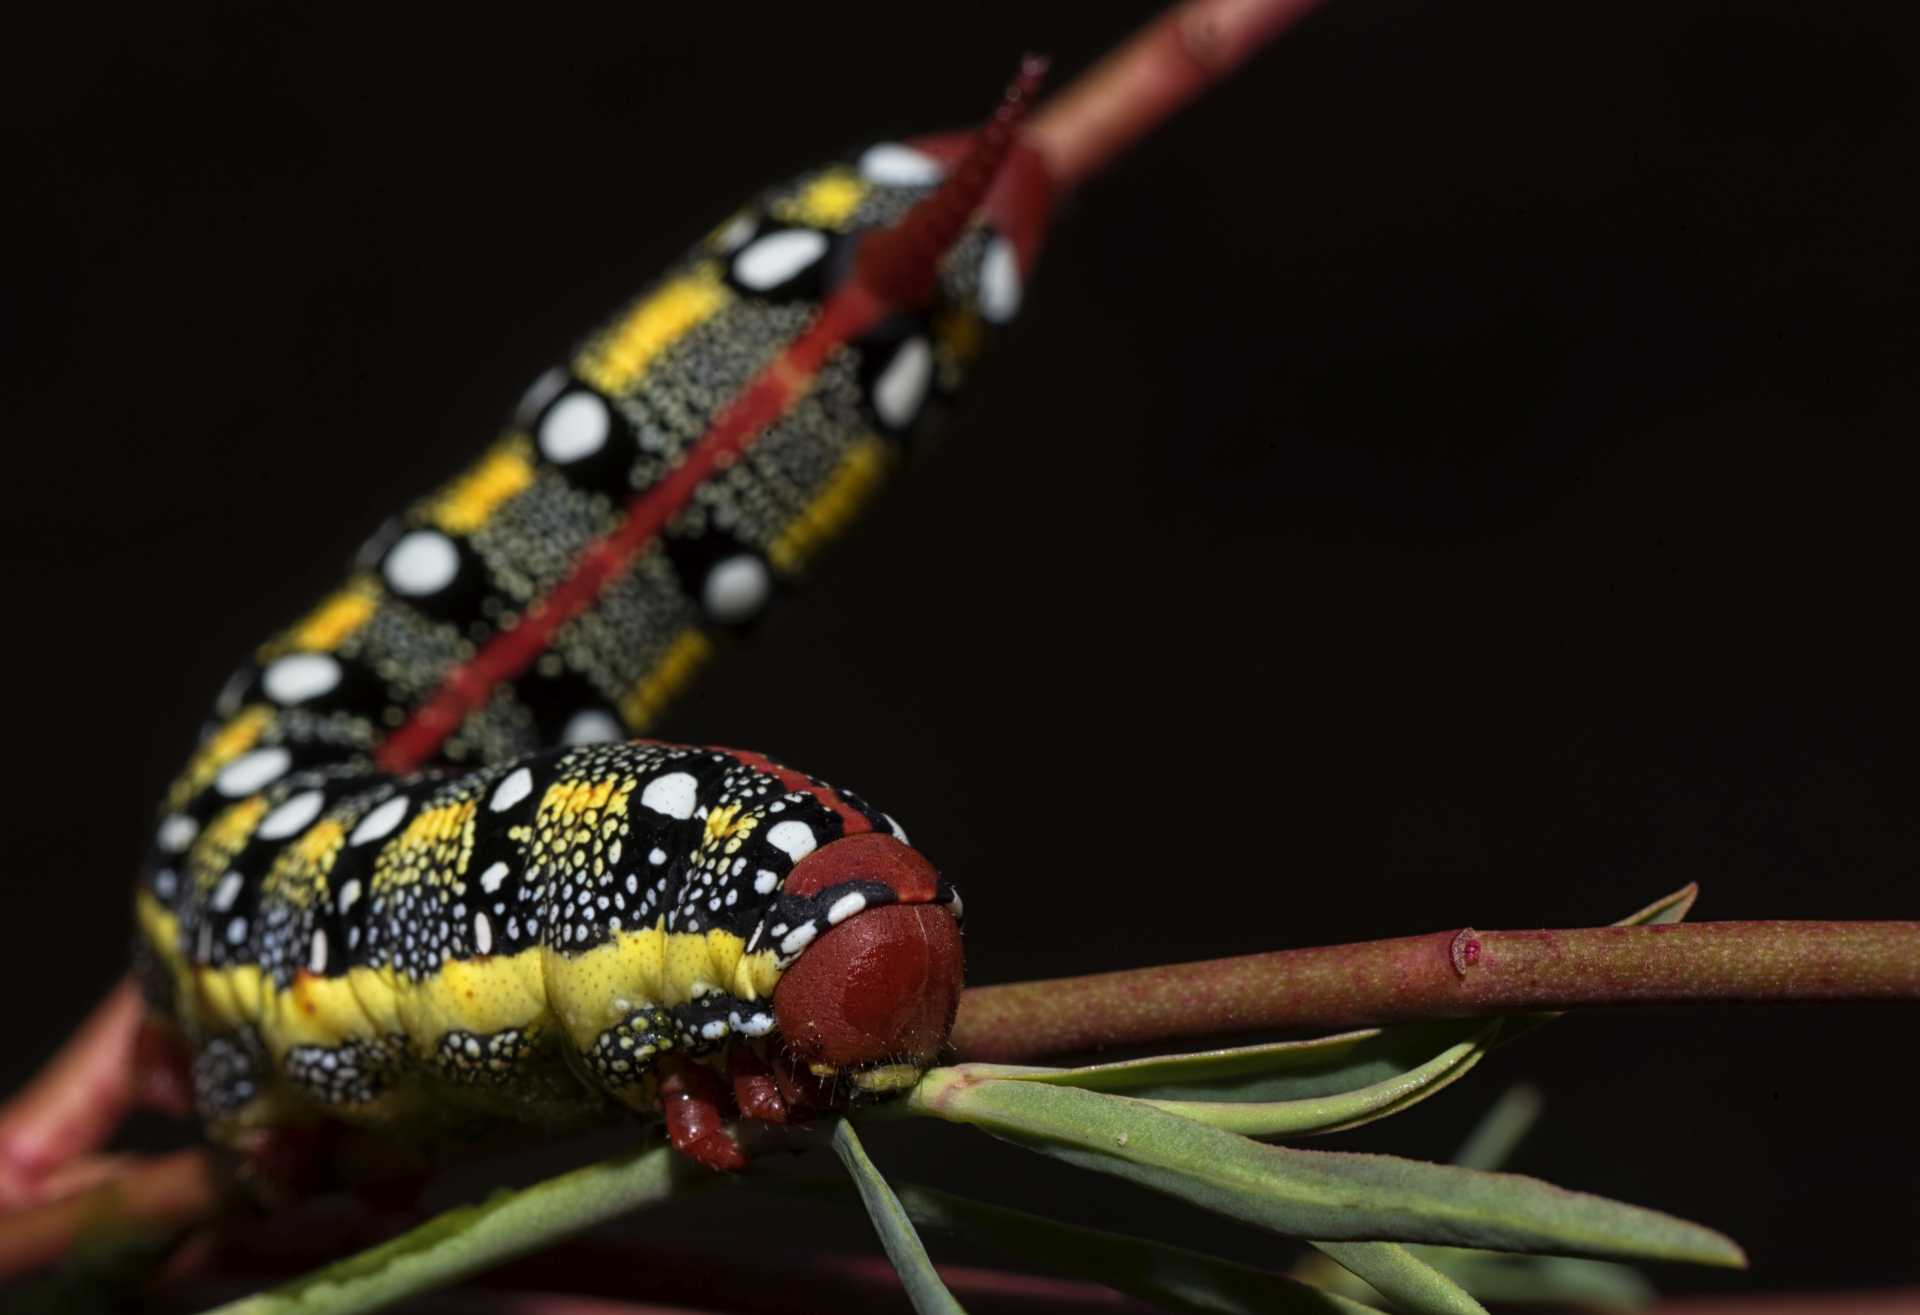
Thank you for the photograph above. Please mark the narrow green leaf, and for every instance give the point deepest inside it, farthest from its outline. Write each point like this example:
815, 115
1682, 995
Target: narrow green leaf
1283, 1118
1542, 1280
1169, 1277
1501, 1129
470, 1238
910, 1261
1666, 909
1409, 1283
1283, 1070
1314, 1194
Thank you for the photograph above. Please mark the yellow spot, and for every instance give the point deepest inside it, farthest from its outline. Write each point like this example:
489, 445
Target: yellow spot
470, 501
683, 656
720, 824
617, 357
331, 624
826, 202
225, 836
888, 1078
435, 846
851, 484
299, 874
221, 748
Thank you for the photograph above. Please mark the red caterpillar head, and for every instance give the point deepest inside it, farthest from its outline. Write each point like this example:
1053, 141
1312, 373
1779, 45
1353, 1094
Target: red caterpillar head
876, 995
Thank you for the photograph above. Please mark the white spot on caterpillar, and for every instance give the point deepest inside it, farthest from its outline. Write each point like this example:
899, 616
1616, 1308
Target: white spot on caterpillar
757, 1025
317, 953
777, 257
226, 892
892, 165
714, 1030
482, 934
845, 907
490, 879
298, 677
165, 882
293, 816
592, 727
902, 386
799, 938
576, 428
236, 931
423, 562
251, 772
956, 907
736, 588
380, 823
511, 791
349, 895
673, 794
899, 832
764, 881
999, 282
796, 838
176, 833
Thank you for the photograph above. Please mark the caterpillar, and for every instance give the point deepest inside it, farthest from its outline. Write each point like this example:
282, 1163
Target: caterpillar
419, 869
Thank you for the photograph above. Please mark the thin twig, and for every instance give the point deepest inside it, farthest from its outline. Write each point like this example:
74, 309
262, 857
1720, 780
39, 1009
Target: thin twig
1449, 974
1151, 77
75, 1102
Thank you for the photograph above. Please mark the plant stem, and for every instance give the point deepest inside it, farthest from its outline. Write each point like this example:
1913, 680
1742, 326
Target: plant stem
1149, 78
1449, 974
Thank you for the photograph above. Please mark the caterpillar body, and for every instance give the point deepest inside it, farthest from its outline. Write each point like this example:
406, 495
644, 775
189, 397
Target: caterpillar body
416, 867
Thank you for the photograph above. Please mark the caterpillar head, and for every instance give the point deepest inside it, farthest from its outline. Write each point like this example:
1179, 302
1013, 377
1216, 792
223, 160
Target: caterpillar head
873, 998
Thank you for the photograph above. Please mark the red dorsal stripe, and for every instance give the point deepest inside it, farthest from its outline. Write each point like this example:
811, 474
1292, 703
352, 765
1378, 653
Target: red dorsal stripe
899, 276
853, 822
901, 262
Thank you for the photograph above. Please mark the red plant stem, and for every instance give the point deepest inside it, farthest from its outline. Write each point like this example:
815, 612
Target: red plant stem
76, 1101
1147, 80
1449, 974
161, 1195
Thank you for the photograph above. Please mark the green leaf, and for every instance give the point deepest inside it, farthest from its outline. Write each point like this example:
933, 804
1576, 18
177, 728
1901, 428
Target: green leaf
910, 1261
1409, 1283
1542, 1280
1313, 1194
1324, 1114
1666, 909
1500, 1130
1169, 1277
1283, 1070
470, 1238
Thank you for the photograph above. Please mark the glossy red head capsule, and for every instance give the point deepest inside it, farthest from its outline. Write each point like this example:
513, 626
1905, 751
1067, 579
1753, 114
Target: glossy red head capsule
875, 996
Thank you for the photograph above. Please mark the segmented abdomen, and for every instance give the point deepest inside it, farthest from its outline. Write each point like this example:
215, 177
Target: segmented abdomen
330, 932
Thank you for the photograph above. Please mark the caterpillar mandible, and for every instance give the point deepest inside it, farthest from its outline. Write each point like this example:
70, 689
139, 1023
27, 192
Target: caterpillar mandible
417, 870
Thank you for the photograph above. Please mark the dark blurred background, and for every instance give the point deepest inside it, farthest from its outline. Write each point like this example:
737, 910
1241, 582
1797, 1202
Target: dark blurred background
1457, 473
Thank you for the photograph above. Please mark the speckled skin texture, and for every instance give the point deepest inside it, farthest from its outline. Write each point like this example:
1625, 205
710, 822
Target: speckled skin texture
521, 910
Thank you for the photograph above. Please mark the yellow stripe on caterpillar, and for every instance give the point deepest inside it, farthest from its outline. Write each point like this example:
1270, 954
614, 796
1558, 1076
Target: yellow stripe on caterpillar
614, 360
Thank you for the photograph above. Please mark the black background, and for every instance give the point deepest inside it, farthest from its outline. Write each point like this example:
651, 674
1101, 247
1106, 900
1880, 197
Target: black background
1457, 473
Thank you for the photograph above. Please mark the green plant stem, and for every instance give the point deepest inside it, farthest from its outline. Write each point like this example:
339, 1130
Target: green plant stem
1449, 974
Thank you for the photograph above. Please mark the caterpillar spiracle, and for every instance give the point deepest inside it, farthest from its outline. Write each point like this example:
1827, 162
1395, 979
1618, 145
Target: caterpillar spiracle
417, 868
